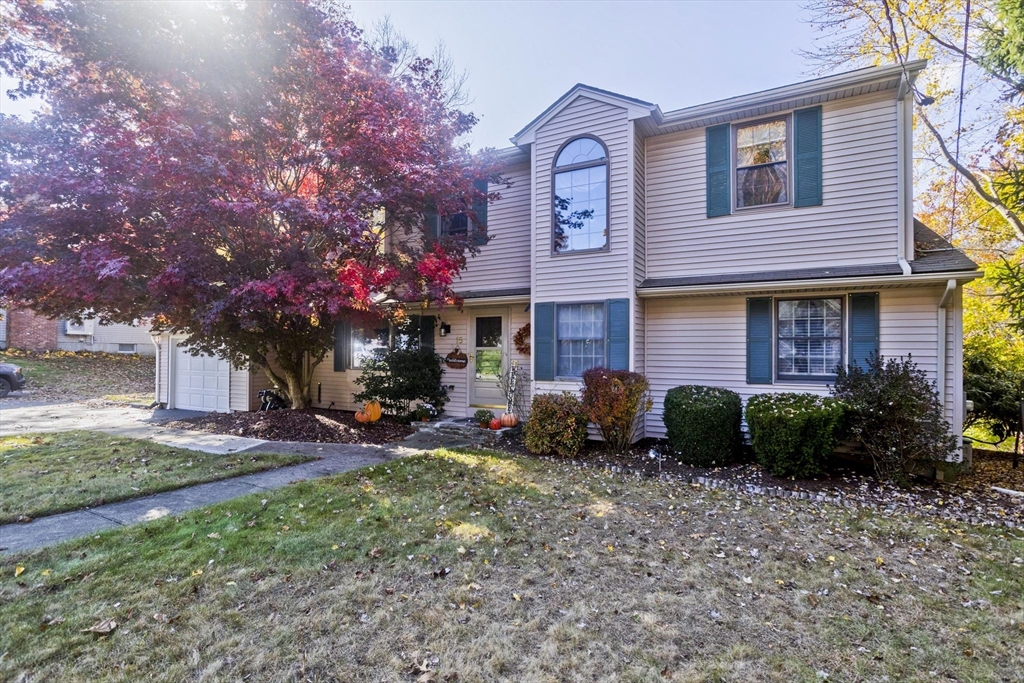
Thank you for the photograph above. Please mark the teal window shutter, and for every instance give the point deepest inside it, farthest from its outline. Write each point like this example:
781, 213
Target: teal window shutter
759, 341
342, 345
544, 341
807, 157
427, 332
617, 334
863, 328
430, 225
480, 209
719, 197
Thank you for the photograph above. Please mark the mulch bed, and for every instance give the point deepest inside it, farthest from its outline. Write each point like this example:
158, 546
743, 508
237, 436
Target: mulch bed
323, 426
971, 499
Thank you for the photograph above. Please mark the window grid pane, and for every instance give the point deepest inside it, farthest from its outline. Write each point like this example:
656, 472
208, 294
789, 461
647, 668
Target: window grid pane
581, 220
762, 170
810, 337
580, 334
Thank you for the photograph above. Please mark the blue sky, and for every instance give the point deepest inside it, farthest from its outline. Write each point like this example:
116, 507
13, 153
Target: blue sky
521, 56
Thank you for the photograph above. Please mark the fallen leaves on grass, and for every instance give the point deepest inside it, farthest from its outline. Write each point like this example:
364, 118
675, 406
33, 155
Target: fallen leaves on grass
101, 627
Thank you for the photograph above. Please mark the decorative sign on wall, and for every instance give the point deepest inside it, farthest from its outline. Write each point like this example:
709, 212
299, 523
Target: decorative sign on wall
456, 360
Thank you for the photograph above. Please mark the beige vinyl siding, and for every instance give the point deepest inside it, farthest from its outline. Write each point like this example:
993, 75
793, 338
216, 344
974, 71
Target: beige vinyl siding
3, 328
639, 252
589, 276
106, 338
504, 262
702, 340
856, 224
639, 209
458, 397
336, 387
163, 368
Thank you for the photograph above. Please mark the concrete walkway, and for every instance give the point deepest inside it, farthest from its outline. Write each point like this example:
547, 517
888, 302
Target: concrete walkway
136, 423
148, 424
336, 458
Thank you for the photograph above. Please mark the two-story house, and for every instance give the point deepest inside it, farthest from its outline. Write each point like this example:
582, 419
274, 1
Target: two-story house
753, 243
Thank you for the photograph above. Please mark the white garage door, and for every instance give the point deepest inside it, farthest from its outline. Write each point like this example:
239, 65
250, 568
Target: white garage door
200, 382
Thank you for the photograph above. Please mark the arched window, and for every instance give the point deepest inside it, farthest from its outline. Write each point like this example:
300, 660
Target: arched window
580, 199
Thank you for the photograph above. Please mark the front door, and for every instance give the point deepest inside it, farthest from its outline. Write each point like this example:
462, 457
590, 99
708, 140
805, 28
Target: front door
489, 339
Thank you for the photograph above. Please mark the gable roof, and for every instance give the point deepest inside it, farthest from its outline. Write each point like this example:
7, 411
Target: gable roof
637, 108
652, 121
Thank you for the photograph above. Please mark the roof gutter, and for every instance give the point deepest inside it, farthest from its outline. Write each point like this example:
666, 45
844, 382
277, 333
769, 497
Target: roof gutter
741, 287
844, 81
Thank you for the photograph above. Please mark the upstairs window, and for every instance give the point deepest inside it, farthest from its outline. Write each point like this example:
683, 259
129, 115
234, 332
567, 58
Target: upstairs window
580, 197
762, 165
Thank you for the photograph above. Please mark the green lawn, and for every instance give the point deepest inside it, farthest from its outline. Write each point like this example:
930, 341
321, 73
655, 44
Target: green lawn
63, 375
42, 474
469, 567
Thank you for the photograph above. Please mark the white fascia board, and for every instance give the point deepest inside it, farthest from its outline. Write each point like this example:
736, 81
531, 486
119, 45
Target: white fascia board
735, 107
633, 111
823, 283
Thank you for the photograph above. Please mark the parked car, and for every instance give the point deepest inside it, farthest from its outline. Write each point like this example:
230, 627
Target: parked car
11, 379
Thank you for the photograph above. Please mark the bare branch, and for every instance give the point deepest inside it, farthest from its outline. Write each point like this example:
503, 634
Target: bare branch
989, 197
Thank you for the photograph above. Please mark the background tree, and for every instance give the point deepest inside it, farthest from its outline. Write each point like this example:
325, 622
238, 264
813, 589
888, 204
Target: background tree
246, 174
982, 40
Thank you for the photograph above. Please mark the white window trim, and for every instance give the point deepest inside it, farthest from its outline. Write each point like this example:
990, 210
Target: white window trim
733, 168
602, 304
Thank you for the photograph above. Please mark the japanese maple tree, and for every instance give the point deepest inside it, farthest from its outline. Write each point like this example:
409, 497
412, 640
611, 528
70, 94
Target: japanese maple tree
245, 174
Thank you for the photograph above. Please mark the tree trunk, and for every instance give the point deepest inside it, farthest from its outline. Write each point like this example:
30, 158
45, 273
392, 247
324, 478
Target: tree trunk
296, 390
289, 375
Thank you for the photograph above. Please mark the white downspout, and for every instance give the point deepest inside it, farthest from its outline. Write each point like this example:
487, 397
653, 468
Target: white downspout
941, 358
156, 381
904, 174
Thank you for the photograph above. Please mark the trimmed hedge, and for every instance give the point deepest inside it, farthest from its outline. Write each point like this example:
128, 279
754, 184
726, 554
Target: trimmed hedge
794, 435
557, 425
703, 424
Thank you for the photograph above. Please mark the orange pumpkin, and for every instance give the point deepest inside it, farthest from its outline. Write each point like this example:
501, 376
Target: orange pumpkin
509, 420
495, 423
362, 416
373, 410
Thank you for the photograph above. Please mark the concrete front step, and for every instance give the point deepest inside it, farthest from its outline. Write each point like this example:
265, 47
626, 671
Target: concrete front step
454, 432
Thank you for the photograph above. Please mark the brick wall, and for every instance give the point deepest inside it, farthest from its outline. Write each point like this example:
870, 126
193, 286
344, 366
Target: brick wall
30, 331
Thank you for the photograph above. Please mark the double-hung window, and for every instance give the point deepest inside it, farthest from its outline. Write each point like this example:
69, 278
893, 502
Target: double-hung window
810, 338
762, 163
580, 337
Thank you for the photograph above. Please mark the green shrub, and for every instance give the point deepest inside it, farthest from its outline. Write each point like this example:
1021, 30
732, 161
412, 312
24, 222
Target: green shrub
703, 424
557, 425
896, 414
616, 401
483, 416
398, 377
794, 434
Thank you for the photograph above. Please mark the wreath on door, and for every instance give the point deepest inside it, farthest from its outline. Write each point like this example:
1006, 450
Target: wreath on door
521, 339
